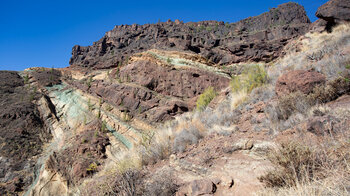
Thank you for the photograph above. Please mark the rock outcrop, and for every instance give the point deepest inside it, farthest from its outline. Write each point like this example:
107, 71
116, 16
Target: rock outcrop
298, 80
153, 92
22, 133
259, 38
333, 12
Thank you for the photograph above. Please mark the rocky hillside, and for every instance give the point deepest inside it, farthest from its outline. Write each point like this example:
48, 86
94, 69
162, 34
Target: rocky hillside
259, 38
256, 107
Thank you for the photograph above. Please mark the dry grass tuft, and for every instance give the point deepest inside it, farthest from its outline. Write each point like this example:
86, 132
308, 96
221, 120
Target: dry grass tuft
303, 170
296, 163
323, 52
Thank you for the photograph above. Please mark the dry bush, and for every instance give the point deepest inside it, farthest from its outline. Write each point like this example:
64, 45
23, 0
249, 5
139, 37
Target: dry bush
238, 98
329, 92
309, 171
186, 137
318, 188
296, 163
223, 115
293, 108
128, 183
287, 105
323, 52
263, 93
161, 183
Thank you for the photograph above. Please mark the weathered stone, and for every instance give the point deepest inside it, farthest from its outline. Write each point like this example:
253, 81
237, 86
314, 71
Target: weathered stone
201, 187
186, 83
259, 38
22, 133
298, 80
334, 12
319, 25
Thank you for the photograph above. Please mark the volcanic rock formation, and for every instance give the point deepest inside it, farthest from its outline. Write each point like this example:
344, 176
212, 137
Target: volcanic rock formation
259, 38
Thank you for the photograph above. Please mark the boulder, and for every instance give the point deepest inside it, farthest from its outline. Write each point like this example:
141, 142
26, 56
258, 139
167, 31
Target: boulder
319, 25
298, 80
198, 187
334, 12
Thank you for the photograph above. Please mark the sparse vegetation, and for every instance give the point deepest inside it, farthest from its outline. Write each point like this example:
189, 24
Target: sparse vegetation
296, 163
92, 167
252, 77
26, 79
297, 102
186, 137
126, 117
205, 98
104, 128
127, 60
117, 75
89, 81
108, 108
303, 170
90, 105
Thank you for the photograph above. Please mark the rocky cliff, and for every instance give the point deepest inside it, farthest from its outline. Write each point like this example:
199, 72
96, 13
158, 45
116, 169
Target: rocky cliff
259, 38
256, 107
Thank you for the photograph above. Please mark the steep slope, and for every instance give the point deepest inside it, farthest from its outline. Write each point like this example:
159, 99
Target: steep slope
22, 133
160, 109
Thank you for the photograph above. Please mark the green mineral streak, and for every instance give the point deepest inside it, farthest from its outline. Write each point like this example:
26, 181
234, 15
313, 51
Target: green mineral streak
76, 108
120, 137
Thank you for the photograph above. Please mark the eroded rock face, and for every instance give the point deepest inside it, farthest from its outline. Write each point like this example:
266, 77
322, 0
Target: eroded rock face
186, 83
153, 92
22, 134
259, 38
82, 158
298, 80
333, 12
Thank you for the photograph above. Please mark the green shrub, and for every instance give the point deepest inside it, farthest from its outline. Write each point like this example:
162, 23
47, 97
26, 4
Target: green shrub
168, 60
89, 81
252, 77
90, 105
26, 79
104, 128
109, 108
204, 99
92, 167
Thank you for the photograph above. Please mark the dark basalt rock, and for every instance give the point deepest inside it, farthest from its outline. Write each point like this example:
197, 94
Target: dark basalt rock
22, 134
334, 12
259, 38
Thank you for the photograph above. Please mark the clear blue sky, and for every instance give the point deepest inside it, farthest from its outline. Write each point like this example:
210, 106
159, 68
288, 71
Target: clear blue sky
43, 32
